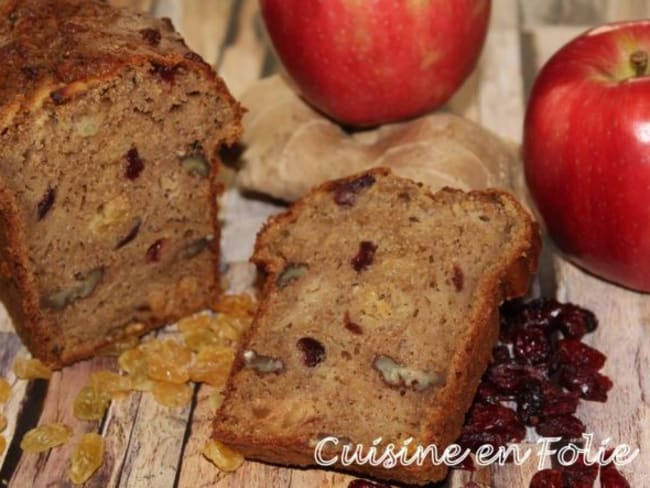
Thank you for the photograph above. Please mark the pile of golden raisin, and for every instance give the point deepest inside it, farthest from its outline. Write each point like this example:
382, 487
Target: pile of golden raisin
164, 367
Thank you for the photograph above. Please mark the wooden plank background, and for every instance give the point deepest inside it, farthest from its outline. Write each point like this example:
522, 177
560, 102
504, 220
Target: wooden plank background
153, 446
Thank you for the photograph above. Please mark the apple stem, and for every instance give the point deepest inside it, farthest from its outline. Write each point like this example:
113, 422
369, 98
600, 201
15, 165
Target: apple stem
639, 62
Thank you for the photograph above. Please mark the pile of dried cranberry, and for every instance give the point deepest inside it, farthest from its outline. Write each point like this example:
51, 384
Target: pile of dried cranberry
540, 371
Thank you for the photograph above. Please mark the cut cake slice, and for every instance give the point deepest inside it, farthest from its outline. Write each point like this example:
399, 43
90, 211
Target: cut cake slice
378, 317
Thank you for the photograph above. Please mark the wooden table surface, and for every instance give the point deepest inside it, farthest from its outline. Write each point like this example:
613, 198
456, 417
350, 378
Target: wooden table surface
148, 445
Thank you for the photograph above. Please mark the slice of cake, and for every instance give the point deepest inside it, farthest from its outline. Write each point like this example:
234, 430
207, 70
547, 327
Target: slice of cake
109, 129
378, 317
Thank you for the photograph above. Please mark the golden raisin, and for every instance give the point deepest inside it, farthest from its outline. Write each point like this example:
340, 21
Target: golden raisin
87, 457
198, 321
45, 437
112, 384
134, 363
3, 422
5, 390
167, 361
118, 347
171, 394
196, 339
31, 368
241, 305
212, 365
90, 404
215, 400
228, 328
222, 456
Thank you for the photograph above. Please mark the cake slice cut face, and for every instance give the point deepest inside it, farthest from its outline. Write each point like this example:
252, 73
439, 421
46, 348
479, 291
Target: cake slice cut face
378, 317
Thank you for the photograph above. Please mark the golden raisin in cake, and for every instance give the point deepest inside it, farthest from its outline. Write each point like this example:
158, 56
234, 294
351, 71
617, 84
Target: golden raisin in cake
109, 127
378, 317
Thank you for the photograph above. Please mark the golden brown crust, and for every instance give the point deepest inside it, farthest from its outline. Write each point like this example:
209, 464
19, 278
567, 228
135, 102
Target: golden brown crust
53, 49
445, 419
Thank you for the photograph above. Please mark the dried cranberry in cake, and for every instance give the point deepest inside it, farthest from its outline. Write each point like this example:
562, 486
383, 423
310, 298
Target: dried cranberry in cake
350, 325
365, 256
46, 202
155, 251
457, 278
152, 36
313, 351
345, 192
134, 164
164, 71
132, 234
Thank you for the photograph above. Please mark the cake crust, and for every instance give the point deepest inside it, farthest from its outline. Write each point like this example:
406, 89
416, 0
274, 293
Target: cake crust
288, 437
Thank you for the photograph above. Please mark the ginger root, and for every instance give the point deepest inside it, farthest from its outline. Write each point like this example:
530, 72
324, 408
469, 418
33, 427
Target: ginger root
289, 147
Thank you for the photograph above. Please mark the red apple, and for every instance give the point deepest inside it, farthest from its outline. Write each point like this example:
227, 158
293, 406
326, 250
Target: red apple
366, 62
587, 151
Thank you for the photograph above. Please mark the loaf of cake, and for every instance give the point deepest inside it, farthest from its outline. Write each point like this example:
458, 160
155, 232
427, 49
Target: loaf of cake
378, 316
109, 130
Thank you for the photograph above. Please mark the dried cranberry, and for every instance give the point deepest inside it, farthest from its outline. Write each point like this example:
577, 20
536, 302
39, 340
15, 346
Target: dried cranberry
365, 256
313, 351
539, 313
531, 345
32, 73
488, 393
151, 36
155, 251
351, 326
588, 384
457, 278
507, 377
611, 477
530, 403
46, 202
547, 478
366, 484
501, 354
575, 322
134, 164
345, 193
558, 402
577, 353
132, 234
60, 96
166, 72
578, 474
491, 424
467, 464
566, 426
